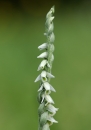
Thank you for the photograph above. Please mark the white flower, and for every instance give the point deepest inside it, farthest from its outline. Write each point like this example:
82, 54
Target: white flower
51, 119
51, 108
47, 86
43, 55
43, 64
48, 99
43, 76
43, 46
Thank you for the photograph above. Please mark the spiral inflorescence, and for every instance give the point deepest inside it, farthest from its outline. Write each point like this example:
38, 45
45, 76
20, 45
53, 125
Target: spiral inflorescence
46, 109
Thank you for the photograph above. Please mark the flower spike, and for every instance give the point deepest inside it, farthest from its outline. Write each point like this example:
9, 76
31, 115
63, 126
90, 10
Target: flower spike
46, 110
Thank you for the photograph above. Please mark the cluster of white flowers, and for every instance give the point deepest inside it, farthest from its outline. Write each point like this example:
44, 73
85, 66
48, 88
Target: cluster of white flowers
46, 109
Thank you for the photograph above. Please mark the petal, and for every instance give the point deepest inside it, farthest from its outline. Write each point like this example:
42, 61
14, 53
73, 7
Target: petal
42, 64
43, 55
52, 89
43, 76
38, 78
51, 119
49, 75
43, 46
51, 108
49, 99
46, 86
40, 88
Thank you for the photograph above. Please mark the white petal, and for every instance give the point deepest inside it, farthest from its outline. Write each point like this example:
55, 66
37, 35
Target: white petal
51, 108
46, 85
43, 55
43, 46
38, 78
49, 99
40, 88
52, 89
43, 76
42, 64
50, 75
52, 119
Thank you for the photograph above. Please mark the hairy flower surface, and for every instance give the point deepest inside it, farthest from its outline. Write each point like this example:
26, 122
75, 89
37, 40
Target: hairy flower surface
46, 109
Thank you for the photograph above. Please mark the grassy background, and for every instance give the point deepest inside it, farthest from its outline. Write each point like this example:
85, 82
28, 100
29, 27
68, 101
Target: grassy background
20, 34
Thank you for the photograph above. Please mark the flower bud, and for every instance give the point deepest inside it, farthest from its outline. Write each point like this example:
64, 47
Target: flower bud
43, 46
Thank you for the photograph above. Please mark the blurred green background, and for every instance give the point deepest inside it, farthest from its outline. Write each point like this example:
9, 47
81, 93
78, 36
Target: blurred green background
21, 32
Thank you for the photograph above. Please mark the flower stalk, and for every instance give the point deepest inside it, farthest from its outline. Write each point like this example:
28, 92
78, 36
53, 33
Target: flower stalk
46, 109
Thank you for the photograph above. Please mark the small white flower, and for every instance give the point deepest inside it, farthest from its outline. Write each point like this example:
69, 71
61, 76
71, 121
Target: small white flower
43, 64
43, 76
43, 55
51, 119
48, 99
43, 46
47, 86
51, 108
